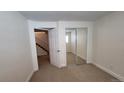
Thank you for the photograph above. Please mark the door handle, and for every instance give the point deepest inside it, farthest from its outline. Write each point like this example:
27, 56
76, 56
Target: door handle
58, 50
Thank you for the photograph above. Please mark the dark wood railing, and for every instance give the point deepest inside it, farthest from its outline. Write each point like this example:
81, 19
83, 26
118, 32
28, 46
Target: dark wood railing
42, 48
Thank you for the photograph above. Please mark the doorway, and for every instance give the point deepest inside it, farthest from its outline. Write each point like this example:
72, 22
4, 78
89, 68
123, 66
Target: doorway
46, 46
42, 46
76, 46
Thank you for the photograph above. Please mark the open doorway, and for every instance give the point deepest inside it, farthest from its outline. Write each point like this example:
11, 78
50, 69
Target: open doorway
76, 46
42, 46
46, 47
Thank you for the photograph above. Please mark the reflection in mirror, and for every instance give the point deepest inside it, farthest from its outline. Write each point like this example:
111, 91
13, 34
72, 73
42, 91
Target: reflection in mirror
76, 45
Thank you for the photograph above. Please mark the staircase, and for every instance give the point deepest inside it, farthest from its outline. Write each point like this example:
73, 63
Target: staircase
42, 44
43, 48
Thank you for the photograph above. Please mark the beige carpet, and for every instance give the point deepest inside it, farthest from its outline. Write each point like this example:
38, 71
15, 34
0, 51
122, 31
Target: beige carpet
73, 59
71, 73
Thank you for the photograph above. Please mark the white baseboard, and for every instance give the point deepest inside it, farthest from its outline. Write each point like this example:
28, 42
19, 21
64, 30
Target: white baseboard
119, 77
63, 65
88, 62
29, 76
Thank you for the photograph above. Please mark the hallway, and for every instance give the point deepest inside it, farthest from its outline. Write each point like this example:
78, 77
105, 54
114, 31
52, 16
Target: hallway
71, 73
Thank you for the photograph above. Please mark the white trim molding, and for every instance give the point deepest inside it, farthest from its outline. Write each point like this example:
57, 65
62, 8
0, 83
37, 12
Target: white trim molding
29, 76
119, 77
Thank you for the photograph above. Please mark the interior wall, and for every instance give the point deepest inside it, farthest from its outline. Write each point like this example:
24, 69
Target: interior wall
109, 44
41, 36
15, 54
68, 45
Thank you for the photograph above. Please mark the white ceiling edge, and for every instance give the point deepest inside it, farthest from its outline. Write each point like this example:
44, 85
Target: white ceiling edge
54, 16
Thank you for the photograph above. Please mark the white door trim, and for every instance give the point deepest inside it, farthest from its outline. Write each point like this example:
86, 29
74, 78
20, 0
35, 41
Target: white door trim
31, 26
75, 24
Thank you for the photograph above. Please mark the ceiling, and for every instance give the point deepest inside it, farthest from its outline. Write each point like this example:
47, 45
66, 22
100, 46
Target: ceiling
63, 15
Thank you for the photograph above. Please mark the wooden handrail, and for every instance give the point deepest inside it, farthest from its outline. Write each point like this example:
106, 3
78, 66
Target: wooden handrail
41, 40
42, 48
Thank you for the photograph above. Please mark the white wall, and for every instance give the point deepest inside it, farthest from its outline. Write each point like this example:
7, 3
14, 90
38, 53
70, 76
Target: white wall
82, 43
15, 55
109, 44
